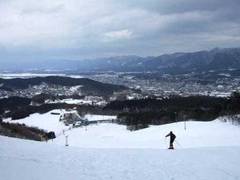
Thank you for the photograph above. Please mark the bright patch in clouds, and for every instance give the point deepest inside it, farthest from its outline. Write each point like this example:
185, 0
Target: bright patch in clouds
119, 35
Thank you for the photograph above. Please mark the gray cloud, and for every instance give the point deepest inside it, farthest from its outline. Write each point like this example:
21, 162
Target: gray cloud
78, 29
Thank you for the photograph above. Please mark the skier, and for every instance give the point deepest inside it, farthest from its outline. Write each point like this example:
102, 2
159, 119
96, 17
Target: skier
172, 138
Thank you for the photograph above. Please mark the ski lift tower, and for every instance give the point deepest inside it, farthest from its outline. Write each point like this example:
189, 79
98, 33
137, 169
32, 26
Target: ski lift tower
66, 140
185, 122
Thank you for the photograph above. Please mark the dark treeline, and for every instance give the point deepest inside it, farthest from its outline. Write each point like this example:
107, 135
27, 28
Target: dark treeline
25, 111
13, 103
140, 113
18, 107
136, 113
41, 98
24, 132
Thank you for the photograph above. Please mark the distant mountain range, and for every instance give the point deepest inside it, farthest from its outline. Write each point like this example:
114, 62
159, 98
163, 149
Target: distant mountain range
215, 59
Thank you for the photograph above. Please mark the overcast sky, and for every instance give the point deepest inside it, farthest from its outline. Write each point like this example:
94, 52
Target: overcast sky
76, 29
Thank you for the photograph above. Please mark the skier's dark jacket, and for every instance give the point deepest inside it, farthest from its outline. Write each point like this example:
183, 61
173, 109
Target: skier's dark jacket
172, 137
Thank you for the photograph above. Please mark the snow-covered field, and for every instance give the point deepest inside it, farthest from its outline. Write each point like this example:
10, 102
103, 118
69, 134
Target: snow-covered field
94, 117
50, 121
79, 101
197, 134
108, 135
73, 101
47, 121
21, 159
204, 151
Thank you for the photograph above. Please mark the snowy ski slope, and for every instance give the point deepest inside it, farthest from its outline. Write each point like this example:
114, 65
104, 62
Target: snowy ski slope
197, 134
204, 151
21, 159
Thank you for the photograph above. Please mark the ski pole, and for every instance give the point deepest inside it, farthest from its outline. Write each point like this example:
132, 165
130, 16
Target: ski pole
178, 143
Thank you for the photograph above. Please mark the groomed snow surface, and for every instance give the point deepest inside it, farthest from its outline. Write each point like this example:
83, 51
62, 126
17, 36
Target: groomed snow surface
197, 134
204, 151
